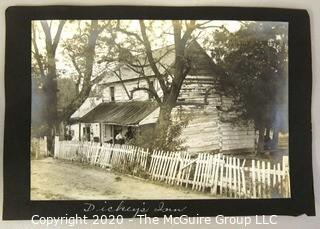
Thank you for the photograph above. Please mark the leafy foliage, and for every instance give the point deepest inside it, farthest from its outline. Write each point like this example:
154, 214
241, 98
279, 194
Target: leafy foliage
172, 141
255, 62
66, 92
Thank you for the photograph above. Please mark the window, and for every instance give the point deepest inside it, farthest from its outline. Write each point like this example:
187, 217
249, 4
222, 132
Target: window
112, 94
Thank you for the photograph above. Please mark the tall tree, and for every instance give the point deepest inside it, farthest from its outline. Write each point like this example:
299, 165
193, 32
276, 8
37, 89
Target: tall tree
255, 65
48, 72
138, 53
80, 50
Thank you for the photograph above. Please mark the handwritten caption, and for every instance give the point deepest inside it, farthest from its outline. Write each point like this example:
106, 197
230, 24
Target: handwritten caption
113, 214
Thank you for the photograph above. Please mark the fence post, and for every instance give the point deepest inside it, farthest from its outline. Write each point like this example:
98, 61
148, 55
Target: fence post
37, 147
56, 147
220, 136
285, 167
45, 146
253, 171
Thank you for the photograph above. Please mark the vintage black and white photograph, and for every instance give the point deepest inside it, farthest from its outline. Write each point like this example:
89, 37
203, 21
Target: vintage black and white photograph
159, 109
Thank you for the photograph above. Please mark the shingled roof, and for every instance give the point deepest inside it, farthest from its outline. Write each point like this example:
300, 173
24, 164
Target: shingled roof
120, 113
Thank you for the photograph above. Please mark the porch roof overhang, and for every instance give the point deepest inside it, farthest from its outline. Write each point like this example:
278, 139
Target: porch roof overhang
120, 113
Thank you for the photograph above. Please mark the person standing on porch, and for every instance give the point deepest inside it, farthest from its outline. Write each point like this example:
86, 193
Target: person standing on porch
119, 138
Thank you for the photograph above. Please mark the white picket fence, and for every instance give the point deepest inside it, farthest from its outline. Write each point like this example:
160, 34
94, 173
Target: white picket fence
122, 157
217, 174
222, 175
39, 148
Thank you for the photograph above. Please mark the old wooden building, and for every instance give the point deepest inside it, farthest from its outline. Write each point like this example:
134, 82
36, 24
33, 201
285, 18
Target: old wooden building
123, 109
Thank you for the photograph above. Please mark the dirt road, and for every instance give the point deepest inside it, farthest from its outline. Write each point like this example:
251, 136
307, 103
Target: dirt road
53, 179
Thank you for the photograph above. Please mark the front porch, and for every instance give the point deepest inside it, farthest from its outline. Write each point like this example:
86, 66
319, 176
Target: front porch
115, 123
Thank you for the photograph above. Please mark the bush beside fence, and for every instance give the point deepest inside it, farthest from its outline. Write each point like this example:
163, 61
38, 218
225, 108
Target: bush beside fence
217, 174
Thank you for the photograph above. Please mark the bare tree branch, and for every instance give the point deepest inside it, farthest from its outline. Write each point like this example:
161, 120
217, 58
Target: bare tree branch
210, 26
99, 77
50, 25
52, 45
129, 33
80, 75
203, 23
46, 30
190, 27
147, 78
151, 60
89, 61
122, 83
181, 64
36, 53
76, 66
157, 61
152, 92
58, 34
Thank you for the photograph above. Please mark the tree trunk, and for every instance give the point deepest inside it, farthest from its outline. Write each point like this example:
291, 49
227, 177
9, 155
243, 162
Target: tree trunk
162, 126
62, 131
50, 83
260, 146
50, 93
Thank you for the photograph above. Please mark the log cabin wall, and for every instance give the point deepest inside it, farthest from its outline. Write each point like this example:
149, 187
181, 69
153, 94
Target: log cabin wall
205, 131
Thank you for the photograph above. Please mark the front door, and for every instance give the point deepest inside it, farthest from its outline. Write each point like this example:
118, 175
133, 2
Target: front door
86, 133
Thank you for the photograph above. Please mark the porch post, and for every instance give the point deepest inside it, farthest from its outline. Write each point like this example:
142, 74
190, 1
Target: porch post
100, 133
79, 131
112, 134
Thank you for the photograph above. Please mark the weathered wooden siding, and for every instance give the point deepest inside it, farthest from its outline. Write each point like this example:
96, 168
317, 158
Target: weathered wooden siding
121, 95
94, 128
206, 131
202, 132
194, 89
